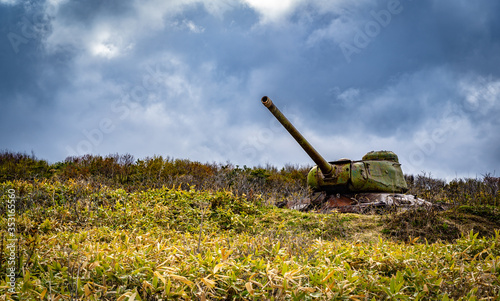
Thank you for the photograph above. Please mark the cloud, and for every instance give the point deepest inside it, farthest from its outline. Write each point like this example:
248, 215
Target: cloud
184, 79
273, 11
9, 2
481, 94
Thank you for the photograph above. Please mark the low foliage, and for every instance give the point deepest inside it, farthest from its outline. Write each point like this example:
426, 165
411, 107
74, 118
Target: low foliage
273, 184
115, 228
168, 243
17, 166
473, 192
125, 172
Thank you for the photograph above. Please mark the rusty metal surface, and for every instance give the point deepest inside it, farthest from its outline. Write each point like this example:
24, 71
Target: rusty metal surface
359, 203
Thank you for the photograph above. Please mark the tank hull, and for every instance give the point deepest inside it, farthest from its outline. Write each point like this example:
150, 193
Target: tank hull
374, 182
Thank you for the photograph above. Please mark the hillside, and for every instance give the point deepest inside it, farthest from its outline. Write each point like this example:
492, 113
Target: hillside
93, 236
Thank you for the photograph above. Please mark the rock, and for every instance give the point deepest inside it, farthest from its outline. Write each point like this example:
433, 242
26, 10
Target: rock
360, 202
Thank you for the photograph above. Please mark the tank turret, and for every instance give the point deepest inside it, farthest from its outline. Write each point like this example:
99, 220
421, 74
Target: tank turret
376, 172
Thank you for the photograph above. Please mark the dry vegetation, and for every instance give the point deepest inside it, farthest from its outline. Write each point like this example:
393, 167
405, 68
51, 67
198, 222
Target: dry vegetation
115, 228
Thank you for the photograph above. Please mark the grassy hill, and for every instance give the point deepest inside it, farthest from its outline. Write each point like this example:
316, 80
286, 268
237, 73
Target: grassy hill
91, 235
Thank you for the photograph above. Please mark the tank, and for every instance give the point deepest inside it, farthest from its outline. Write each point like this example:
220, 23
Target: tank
346, 185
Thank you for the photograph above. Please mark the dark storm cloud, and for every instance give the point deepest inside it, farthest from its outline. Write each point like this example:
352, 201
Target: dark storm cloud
29, 80
86, 12
424, 35
184, 78
19, 52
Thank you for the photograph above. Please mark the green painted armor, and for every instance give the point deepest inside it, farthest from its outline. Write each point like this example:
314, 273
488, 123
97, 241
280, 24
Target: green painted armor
378, 171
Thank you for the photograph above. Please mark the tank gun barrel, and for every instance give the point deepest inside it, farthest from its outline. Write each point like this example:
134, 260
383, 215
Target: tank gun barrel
325, 167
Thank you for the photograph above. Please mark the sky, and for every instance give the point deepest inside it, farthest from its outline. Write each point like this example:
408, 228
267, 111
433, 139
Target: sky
184, 79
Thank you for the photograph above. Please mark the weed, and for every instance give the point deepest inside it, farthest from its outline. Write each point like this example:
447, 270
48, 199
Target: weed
111, 228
